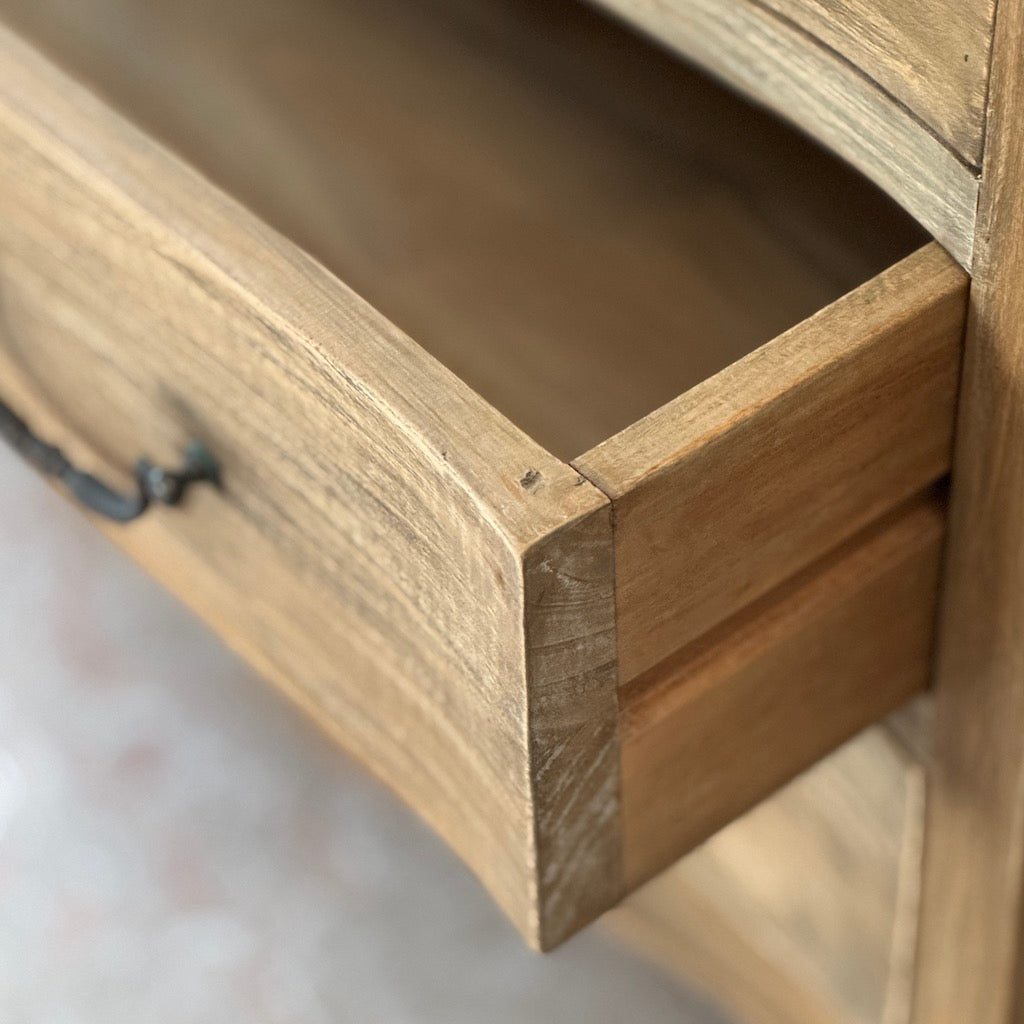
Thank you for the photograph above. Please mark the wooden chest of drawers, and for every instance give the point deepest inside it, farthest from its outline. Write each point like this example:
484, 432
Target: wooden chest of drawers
583, 431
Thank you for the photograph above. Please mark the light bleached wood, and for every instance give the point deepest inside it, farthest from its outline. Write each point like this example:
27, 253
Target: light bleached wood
777, 63
571, 220
931, 55
405, 563
970, 965
730, 489
741, 711
804, 910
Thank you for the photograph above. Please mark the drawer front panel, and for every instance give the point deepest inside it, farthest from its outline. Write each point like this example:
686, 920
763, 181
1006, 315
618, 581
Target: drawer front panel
386, 547
832, 93
932, 56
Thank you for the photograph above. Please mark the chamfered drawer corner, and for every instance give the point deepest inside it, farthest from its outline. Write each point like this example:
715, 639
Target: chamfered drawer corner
575, 667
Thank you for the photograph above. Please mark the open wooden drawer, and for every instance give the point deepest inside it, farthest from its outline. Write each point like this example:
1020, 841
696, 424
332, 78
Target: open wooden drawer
575, 666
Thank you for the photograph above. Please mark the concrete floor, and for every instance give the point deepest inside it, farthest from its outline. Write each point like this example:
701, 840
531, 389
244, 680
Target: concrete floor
178, 845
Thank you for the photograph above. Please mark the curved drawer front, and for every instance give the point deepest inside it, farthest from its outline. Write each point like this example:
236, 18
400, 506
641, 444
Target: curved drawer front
897, 89
574, 672
931, 56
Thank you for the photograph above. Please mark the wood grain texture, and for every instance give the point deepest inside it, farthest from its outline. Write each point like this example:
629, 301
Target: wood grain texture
932, 56
399, 558
971, 951
805, 909
572, 221
733, 487
742, 710
777, 63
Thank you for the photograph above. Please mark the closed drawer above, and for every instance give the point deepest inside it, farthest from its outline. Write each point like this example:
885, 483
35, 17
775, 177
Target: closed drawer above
582, 429
897, 88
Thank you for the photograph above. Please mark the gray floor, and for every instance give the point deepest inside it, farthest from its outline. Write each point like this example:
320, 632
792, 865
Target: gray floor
178, 845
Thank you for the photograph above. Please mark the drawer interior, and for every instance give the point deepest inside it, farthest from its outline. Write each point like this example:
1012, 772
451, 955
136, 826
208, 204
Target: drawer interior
574, 222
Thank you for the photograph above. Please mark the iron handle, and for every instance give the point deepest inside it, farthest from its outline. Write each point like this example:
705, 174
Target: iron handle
154, 484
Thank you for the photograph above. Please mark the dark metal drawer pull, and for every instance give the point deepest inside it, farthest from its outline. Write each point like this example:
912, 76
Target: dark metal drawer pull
165, 486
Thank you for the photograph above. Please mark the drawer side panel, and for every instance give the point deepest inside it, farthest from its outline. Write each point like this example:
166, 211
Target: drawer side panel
746, 479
